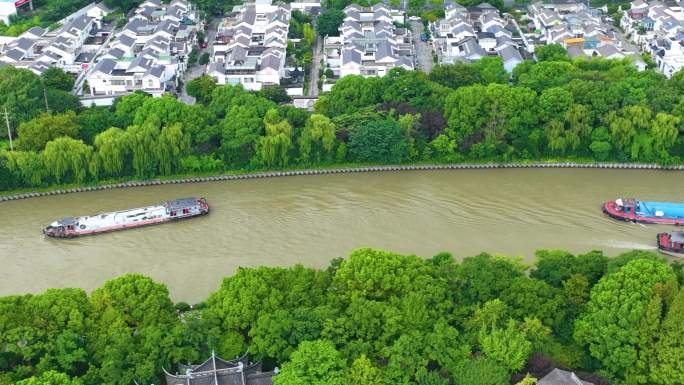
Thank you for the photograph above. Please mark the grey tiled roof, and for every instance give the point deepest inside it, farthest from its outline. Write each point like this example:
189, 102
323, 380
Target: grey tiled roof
562, 377
24, 44
37, 31
15, 54
510, 53
105, 66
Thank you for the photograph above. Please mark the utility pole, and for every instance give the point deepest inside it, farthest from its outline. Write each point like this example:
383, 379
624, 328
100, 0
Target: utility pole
9, 132
44, 95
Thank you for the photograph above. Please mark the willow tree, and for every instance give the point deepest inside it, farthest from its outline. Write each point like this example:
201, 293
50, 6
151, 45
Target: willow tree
27, 166
112, 150
272, 149
317, 138
68, 159
665, 132
172, 145
142, 142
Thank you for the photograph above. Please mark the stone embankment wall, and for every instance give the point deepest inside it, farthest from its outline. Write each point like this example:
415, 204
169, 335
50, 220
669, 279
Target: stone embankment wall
271, 174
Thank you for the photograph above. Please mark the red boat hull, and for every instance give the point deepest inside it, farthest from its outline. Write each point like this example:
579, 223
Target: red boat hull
612, 210
666, 246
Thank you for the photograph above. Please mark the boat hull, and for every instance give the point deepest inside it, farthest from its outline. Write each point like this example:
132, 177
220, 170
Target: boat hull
612, 210
122, 227
667, 246
170, 211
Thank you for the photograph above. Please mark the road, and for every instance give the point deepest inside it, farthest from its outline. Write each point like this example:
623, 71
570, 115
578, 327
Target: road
423, 50
198, 70
315, 64
80, 78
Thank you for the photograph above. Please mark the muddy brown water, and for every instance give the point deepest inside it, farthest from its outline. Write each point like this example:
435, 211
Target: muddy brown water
312, 219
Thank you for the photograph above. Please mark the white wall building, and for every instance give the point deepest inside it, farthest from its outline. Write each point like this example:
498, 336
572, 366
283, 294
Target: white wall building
150, 54
369, 44
469, 34
37, 49
250, 47
658, 28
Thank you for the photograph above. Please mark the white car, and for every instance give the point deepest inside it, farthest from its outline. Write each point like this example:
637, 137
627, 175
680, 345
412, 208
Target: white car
414, 18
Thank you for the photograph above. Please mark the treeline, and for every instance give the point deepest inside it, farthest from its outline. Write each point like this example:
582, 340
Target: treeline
376, 318
587, 110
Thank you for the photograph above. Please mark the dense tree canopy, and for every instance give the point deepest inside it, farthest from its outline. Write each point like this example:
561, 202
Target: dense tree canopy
375, 318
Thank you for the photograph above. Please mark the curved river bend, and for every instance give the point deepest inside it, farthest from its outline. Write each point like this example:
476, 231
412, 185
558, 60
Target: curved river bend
312, 219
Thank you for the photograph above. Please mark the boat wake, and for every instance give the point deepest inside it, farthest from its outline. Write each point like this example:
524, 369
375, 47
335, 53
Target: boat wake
629, 245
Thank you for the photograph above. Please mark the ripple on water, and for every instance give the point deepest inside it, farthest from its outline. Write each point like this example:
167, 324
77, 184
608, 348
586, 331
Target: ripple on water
311, 219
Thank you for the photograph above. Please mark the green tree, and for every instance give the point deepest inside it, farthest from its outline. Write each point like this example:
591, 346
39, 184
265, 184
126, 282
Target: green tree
551, 52
491, 70
317, 139
142, 142
36, 133
172, 145
313, 363
363, 372
615, 308
379, 141
21, 93
272, 150
201, 88
455, 75
94, 120
350, 94
26, 166
507, 346
480, 371
112, 151
329, 21
133, 328
668, 365
529, 297
277, 94
484, 277
665, 132
50, 378
55, 77
68, 159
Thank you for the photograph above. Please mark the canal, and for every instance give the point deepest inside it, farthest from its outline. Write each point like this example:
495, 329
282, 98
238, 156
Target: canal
312, 219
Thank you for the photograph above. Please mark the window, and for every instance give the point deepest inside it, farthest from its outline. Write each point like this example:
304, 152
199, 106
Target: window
117, 82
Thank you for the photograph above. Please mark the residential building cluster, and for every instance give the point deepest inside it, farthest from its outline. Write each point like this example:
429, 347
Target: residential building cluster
250, 46
151, 52
581, 30
467, 34
657, 28
369, 43
70, 47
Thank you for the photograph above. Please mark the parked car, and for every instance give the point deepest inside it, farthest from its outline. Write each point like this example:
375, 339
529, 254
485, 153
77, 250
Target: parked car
203, 44
414, 18
423, 37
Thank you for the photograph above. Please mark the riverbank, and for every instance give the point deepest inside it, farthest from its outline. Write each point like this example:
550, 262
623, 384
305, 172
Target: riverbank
335, 169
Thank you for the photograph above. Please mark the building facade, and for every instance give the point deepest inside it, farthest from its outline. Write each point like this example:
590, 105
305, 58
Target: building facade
369, 43
250, 47
150, 54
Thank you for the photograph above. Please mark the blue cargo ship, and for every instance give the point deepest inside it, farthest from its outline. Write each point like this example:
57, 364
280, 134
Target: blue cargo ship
629, 209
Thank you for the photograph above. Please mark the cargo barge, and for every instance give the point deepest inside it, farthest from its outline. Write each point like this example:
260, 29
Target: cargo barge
671, 243
633, 210
168, 211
